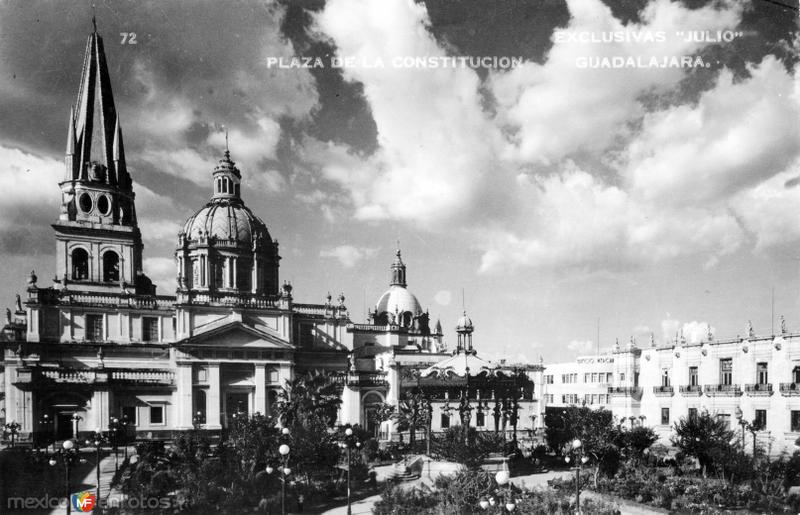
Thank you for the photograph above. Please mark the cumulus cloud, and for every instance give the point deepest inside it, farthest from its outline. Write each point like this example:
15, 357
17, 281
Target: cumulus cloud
162, 271
571, 167
443, 297
582, 347
693, 332
30, 183
348, 255
434, 138
557, 108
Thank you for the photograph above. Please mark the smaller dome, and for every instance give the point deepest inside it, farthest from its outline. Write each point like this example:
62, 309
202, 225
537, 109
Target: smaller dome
464, 324
398, 300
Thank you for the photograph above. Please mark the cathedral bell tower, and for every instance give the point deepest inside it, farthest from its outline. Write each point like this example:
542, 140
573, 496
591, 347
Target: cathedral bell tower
98, 242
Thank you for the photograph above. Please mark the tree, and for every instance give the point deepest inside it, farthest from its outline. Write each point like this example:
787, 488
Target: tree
634, 441
466, 445
704, 437
308, 406
315, 395
410, 415
600, 439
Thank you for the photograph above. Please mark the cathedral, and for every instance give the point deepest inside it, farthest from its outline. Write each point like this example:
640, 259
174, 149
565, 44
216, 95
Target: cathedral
100, 344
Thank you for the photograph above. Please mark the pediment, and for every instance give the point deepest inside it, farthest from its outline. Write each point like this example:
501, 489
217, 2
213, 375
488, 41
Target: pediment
238, 334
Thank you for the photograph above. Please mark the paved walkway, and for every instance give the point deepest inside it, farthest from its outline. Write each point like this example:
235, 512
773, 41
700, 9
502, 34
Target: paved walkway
88, 483
364, 506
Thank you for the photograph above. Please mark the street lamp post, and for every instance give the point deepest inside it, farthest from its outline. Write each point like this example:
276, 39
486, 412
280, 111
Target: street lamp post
284, 470
581, 459
113, 428
46, 428
123, 424
69, 457
97, 441
12, 429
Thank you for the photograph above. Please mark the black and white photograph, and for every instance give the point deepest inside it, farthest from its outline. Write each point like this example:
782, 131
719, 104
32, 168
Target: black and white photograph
400, 257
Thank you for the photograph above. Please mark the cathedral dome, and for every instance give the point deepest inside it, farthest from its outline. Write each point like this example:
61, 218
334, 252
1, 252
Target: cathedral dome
398, 300
226, 221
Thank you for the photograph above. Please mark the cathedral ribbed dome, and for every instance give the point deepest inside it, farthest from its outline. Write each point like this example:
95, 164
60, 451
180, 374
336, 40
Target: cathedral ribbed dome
397, 299
226, 221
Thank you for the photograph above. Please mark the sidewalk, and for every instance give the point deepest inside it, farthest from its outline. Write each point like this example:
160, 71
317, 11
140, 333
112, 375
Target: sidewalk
88, 483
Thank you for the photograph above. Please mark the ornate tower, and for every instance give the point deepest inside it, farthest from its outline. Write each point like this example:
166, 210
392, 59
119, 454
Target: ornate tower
98, 241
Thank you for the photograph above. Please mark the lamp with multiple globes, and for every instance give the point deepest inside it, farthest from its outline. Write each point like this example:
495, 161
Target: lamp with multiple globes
576, 448
283, 467
347, 443
69, 456
502, 478
97, 441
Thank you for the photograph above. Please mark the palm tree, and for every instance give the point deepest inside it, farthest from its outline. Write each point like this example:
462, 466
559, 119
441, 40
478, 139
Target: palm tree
315, 394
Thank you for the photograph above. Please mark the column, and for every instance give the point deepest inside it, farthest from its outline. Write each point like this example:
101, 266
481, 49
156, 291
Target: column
213, 397
183, 397
100, 412
260, 404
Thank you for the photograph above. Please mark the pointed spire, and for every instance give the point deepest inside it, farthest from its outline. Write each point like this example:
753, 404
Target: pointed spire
71, 133
96, 126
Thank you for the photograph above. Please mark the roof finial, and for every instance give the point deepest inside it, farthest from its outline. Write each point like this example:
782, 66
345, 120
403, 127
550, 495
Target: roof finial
94, 19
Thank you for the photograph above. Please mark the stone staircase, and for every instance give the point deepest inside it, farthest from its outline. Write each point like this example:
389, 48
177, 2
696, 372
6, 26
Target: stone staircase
409, 469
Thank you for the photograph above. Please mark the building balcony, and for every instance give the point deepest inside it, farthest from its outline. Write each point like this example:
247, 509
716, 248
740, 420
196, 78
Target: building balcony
790, 389
363, 379
691, 390
625, 391
722, 390
229, 298
96, 378
663, 391
71, 297
758, 389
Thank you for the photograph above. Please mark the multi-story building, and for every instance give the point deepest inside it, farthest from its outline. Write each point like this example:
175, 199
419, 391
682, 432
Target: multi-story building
99, 342
748, 379
584, 381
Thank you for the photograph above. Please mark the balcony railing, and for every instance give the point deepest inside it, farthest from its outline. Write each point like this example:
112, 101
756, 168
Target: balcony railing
100, 299
790, 389
625, 391
245, 300
369, 327
53, 377
758, 389
722, 390
362, 379
689, 390
663, 391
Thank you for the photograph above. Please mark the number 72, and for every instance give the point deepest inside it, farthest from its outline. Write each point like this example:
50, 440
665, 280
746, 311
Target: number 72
128, 38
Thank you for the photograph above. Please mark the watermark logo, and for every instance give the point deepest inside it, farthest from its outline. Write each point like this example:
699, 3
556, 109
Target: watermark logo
83, 502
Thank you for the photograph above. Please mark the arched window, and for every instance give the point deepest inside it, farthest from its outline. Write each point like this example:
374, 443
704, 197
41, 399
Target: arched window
370, 404
80, 265
236, 189
407, 319
225, 185
110, 266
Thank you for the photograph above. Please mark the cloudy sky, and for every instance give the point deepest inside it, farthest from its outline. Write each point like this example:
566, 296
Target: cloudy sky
555, 194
